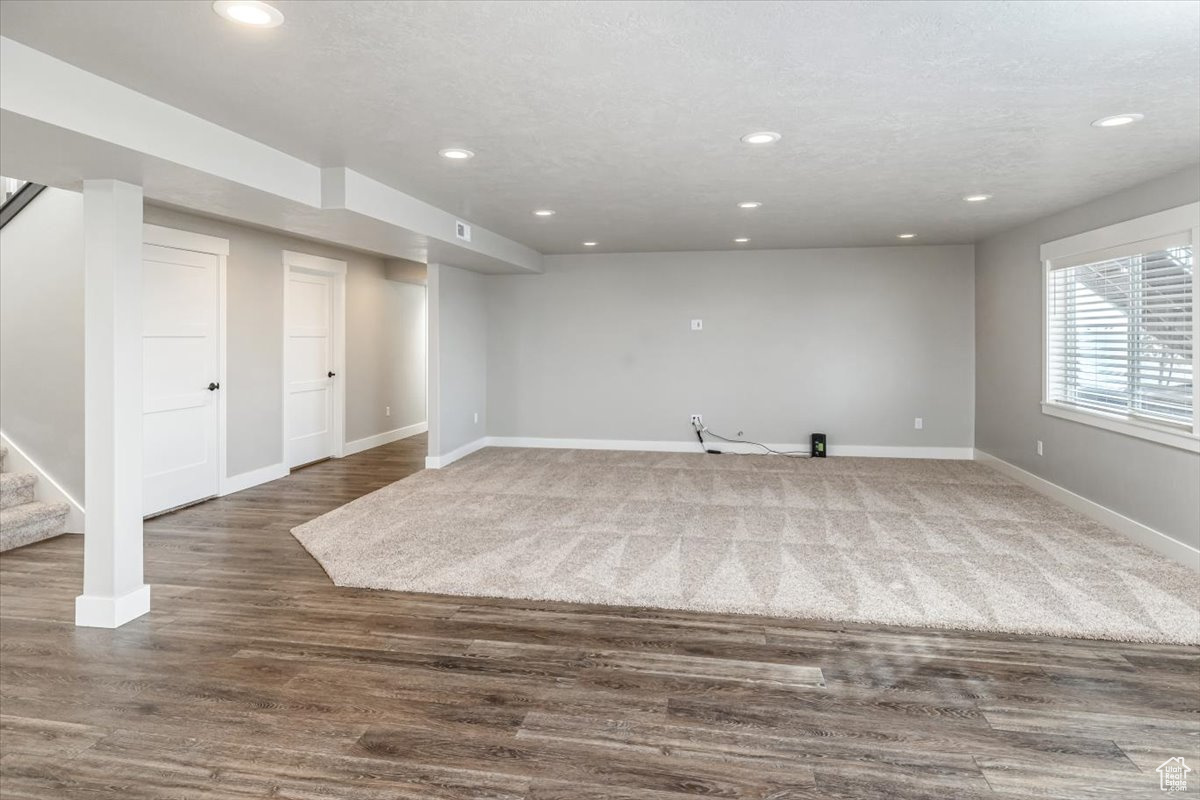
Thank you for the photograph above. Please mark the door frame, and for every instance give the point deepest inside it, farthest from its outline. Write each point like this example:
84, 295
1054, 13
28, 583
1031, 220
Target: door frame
336, 270
212, 245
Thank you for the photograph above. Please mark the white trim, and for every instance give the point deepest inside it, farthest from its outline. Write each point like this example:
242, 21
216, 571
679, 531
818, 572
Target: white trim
1142, 534
213, 245
884, 451
597, 444
1173, 220
46, 490
1183, 220
222, 374
111, 612
651, 446
387, 437
433, 411
1126, 250
1142, 430
437, 462
245, 480
337, 271
184, 240
327, 266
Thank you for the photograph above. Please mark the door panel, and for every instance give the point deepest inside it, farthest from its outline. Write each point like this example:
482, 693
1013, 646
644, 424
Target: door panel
309, 360
180, 351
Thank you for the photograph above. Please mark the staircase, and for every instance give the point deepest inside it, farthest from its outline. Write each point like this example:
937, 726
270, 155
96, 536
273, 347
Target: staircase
23, 520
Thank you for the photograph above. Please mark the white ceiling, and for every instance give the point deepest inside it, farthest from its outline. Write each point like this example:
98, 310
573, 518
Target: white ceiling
625, 116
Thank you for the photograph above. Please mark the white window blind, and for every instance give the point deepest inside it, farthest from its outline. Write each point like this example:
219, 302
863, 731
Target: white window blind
1119, 332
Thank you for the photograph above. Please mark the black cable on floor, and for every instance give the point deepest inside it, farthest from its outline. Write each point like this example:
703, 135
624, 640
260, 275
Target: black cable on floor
703, 446
770, 451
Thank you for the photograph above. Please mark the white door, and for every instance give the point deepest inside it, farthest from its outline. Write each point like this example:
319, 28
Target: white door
181, 370
309, 359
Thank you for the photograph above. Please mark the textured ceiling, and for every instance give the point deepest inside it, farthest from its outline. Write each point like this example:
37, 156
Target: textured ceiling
625, 117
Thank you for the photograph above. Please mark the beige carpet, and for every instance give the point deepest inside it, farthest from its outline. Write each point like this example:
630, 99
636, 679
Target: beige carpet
949, 544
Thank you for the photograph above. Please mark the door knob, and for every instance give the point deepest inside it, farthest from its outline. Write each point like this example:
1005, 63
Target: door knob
212, 387
332, 374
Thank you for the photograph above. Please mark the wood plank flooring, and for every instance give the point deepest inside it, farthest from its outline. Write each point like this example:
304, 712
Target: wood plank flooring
255, 677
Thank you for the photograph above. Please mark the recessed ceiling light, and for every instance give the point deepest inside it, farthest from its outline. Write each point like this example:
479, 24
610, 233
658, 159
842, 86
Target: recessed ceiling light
1117, 120
906, 235
742, 240
544, 212
977, 198
761, 137
589, 244
456, 153
249, 12
750, 204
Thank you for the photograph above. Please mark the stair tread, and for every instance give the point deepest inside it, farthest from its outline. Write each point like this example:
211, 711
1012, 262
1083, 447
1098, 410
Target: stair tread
16, 488
16, 480
31, 522
27, 513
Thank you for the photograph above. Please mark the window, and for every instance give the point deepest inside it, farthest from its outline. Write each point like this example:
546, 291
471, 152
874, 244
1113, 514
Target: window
1120, 333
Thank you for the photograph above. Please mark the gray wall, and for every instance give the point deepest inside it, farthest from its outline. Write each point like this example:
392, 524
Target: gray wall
458, 376
1152, 483
385, 351
41, 335
853, 342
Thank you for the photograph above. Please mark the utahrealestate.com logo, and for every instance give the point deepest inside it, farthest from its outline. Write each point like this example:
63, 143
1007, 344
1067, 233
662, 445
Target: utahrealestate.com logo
1172, 775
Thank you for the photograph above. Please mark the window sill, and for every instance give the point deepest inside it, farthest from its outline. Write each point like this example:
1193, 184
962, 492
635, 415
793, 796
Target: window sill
1140, 430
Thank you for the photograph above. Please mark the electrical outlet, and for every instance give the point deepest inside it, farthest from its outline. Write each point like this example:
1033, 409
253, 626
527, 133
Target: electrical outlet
387, 411
697, 419
918, 424
697, 324
476, 417
1039, 447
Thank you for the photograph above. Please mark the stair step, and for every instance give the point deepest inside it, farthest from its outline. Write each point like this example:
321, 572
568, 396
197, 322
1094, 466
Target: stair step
16, 488
31, 522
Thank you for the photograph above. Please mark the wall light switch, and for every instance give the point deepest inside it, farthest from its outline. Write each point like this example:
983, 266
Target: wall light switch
918, 424
697, 324
1039, 447
387, 411
476, 417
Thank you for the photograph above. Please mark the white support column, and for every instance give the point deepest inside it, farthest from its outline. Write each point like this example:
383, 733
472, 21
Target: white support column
433, 394
113, 592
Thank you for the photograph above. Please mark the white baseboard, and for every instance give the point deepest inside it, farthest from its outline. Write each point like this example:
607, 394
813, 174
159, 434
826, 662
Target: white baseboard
254, 477
884, 451
93, 611
1142, 534
594, 444
437, 462
246, 480
387, 437
46, 490
862, 451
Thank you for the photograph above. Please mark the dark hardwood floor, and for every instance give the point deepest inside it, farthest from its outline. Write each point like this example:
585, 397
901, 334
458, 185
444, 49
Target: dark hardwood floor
254, 676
